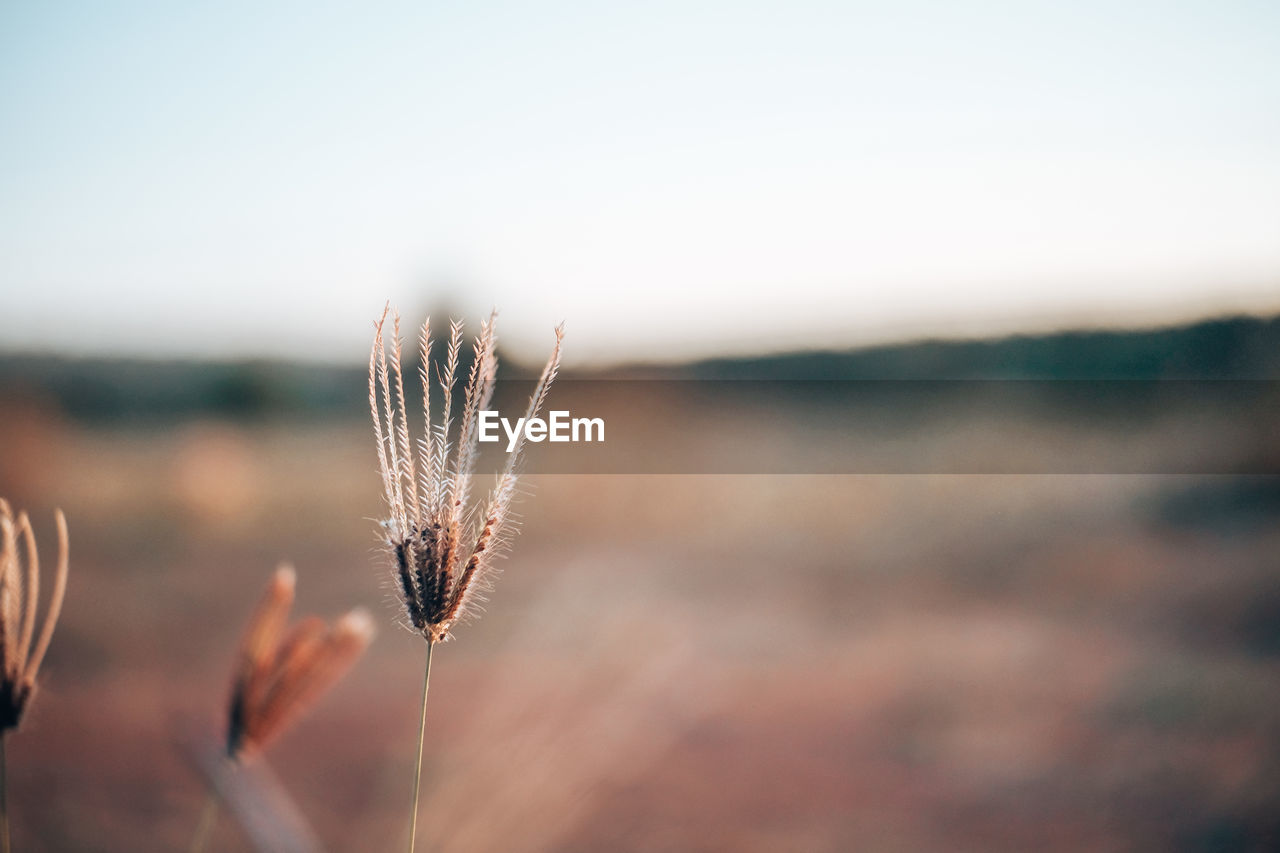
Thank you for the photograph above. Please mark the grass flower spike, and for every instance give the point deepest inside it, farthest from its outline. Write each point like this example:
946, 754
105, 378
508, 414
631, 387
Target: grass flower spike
280, 675
443, 548
23, 651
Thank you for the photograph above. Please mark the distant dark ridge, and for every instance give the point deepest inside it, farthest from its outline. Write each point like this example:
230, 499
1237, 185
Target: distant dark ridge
1227, 348
136, 389
144, 390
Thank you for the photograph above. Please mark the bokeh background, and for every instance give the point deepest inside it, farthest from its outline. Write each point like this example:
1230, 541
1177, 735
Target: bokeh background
976, 642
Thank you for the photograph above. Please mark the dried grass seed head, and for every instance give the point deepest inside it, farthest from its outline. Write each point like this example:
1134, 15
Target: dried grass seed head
443, 547
279, 674
23, 650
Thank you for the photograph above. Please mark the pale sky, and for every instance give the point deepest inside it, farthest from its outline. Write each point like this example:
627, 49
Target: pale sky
668, 178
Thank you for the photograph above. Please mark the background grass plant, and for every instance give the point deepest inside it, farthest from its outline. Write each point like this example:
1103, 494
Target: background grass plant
19, 606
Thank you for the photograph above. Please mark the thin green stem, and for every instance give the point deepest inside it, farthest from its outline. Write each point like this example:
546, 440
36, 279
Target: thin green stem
208, 819
4, 794
417, 771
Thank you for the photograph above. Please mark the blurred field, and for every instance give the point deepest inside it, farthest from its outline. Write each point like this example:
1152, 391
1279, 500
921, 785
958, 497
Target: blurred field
690, 663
